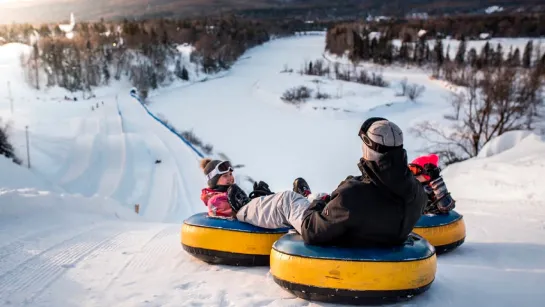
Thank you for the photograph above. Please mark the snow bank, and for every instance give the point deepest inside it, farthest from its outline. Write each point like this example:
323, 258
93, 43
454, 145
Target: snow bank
11, 52
506, 174
502, 143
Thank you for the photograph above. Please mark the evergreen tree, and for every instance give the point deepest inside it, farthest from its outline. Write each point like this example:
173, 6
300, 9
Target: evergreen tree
357, 49
6, 149
420, 51
185, 74
36, 57
515, 60
106, 73
498, 56
404, 51
438, 51
460, 54
366, 48
527, 56
374, 50
473, 59
178, 69
510, 56
485, 57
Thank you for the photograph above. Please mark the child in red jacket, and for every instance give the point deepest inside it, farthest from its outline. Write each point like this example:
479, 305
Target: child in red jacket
426, 170
220, 177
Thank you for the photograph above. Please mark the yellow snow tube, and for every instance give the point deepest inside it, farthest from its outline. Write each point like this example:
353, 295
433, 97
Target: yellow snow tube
353, 275
444, 231
225, 241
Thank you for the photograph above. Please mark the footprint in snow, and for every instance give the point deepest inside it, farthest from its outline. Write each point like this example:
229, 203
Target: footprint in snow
188, 285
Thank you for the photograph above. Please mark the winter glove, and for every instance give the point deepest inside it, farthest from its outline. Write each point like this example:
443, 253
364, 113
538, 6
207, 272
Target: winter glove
261, 188
433, 171
443, 202
236, 197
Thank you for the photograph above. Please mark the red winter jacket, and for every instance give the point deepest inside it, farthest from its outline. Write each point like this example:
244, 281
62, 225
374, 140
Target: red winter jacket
217, 203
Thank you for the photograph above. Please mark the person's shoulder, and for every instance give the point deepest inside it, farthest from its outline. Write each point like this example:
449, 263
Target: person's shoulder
351, 185
210, 195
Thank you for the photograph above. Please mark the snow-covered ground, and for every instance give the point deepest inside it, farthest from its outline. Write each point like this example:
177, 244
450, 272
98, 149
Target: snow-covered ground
69, 236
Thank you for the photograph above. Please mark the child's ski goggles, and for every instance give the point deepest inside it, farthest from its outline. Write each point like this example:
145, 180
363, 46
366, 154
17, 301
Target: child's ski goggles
416, 169
220, 169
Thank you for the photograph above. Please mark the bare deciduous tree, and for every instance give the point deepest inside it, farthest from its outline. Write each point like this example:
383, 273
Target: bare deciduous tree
500, 100
414, 91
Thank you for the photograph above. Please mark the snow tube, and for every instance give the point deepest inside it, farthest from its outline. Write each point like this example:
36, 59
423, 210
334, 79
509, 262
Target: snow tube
353, 275
225, 241
444, 231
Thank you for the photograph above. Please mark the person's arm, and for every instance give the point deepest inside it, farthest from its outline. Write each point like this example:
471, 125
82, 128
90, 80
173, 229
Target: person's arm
324, 223
219, 205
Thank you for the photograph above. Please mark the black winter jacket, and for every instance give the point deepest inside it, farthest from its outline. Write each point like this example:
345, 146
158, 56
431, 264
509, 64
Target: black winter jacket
379, 208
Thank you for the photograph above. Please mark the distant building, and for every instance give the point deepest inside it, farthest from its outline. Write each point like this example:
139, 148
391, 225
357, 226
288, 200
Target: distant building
377, 18
417, 16
493, 9
484, 36
68, 29
422, 33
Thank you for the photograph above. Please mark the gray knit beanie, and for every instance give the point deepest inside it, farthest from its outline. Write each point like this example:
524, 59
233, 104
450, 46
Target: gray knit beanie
208, 165
382, 132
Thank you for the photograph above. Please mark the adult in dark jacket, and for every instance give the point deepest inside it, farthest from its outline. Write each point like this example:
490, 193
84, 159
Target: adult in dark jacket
380, 207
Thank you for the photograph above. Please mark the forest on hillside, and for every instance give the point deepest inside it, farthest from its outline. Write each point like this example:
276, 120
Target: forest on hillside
375, 42
500, 87
143, 51
316, 10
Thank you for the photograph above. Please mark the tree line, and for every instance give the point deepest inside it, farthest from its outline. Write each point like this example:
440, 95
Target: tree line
143, 51
362, 44
500, 89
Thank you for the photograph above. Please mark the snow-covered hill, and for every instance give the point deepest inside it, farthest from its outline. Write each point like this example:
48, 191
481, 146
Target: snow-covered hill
69, 236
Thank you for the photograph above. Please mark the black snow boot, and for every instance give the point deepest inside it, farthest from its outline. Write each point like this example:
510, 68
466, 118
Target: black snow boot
237, 197
441, 201
300, 186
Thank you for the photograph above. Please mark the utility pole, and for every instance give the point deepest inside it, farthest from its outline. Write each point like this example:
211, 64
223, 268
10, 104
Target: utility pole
10, 98
27, 148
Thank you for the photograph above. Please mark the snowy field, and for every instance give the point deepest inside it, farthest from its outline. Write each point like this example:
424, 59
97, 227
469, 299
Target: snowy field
69, 236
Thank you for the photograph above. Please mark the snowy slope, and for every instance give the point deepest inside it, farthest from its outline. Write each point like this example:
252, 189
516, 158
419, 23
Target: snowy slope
105, 259
277, 142
105, 146
68, 236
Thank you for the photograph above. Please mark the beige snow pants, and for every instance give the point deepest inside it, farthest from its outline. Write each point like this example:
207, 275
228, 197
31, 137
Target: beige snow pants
279, 210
